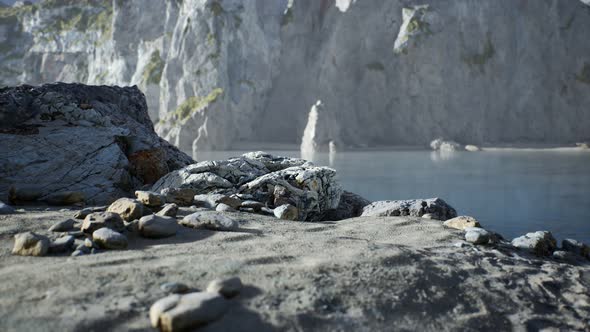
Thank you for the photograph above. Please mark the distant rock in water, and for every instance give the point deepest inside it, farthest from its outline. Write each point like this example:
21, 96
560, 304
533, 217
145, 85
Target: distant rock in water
70, 143
322, 133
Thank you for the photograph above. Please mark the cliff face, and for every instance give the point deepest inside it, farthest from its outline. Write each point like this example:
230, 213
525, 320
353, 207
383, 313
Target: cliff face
216, 72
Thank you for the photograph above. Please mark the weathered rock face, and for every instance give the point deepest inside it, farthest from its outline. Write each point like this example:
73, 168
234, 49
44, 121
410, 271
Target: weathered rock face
436, 208
273, 181
67, 143
216, 72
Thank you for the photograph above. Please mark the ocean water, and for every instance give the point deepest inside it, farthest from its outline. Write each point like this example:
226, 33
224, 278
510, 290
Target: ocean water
509, 191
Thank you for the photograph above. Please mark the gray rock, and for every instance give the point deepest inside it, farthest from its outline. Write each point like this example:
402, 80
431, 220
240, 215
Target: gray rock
107, 238
187, 312
415, 208
286, 212
174, 287
132, 226
69, 154
222, 207
169, 210
62, 244
77, 253
6, 209
30, 244
567, 256
443, 145
212, 200
351, 206
477, 235
157, 227
462, 222
228, 287
472, 148
83, 248
210, 220
250, 204
77, 234
576, 247
129, 209
541, 243
63, 226
97, 220
150, 199
180, 196
86, 211
89, 244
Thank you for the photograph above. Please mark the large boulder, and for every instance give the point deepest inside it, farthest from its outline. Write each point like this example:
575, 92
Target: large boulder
541, 243
436, 207
271, 180
95, 141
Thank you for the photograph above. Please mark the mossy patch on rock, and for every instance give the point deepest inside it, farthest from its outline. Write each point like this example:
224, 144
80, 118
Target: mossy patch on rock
152, 73
192, 105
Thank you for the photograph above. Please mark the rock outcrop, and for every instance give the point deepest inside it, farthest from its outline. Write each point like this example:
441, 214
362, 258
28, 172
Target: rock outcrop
71, 143
436, 208
218, 72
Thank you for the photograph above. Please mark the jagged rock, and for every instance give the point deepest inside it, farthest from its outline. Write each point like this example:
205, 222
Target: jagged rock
210, 220
129, 209
462, 222
6, 209
286, 212
229, 287
321, 130
107, 238
212, 200
97, 220
150, 199
266, 178
477, 235
186, 312
59, 152
63, 226
415, 208
169, 210
157, 227
30, 244
576, 247
351, 205
541, 243
180, 196
62, 244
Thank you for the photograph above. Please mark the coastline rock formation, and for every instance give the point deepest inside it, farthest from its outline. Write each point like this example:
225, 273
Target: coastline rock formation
70, 143
218, 72
321, 133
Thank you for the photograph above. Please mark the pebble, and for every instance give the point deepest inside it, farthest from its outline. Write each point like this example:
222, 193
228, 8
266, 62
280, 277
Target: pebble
228, 287
210, 220
97, 220
107, 238
157, 227
129, 209
286, 212
174, 287
63, 226
30, 244
150, 198
462, 222
187, 312
477, 235
169, 210
62, 244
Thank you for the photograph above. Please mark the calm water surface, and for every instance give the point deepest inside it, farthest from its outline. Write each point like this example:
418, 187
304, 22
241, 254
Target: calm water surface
509, 191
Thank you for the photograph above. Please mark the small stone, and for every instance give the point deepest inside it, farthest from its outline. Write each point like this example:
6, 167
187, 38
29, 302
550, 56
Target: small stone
267, 211
460, 244
222, 207
576, 247
157, 227
541, 243
212, 200
78, 253
174, 287
63, 226
76, 234
129, 209
83, 248
229, 287
477, 235
150, 199
286, 212
107, 238
132, 226
462, 222
86, 211
186, 312
65, 198
252, 205
89, 244
180, 196
169, 210
30, 244
6, 209
62, 244
429, 216
97, 220
210, 220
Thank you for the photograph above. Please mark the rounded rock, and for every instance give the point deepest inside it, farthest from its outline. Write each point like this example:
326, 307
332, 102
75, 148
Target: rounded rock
157, 227
286, 212
30, 244
129, 209
107, 238
228, 287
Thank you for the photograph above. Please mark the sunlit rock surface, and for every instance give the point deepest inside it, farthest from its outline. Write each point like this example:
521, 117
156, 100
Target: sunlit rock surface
220, 72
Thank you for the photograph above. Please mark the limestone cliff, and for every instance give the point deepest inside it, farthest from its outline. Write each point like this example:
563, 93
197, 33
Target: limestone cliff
216, 72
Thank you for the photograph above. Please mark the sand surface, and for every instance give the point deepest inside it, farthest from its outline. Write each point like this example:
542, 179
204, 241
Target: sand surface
362, 274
